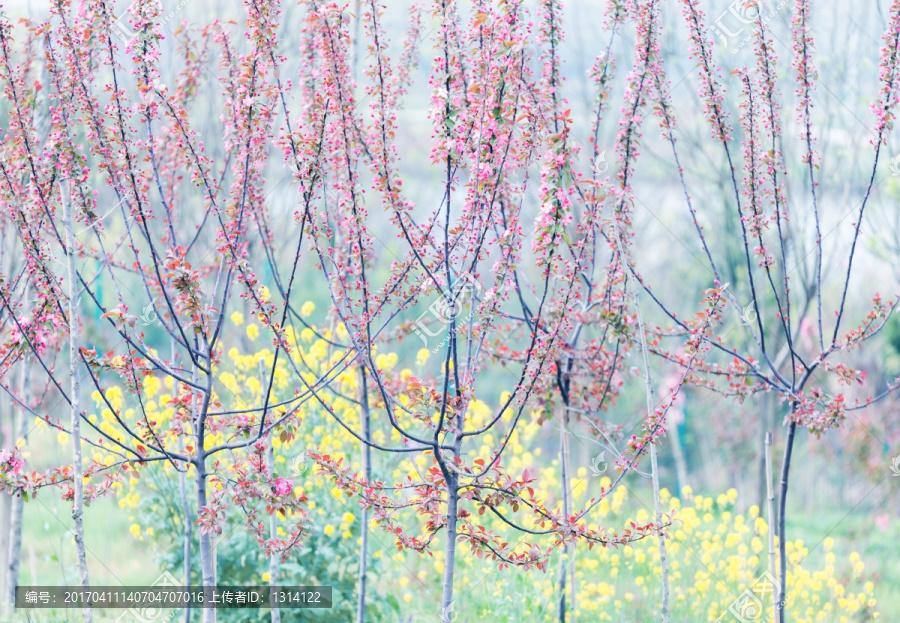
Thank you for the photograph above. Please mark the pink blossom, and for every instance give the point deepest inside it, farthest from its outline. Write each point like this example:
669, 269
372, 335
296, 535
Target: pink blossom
283, 486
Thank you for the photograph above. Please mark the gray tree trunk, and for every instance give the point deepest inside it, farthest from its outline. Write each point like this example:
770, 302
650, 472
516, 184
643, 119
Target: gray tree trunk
273, 521
449, 552
186, 522
5, 501
207, 569
273, 533
654, 471
16, 507
185, 510
566, 502
207, 553
75, 403
367, 472
782, 511
770, 517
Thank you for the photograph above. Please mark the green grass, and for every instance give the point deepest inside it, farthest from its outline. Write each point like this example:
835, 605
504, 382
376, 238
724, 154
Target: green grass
115, 557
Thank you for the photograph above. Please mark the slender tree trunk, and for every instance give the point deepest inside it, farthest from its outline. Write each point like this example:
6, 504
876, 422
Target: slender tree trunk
207, 552
764, 484
762, 487
273, 533
14, 553
782, 507
273, 521
5, 498
215, 541
449, 552
366, 417
770, 495
663, 561
5, 543
185, 505
207, 569
654, 469
573, 588
566, 503
186, 522
77, 475
561, 588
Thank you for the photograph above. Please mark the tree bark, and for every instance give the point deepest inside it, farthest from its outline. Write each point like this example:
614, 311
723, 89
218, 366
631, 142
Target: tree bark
14, 556
654, 468
273, 533
185, 509
367, 472
77, 475
573, 588
449, 552
770, 495
566, 503
663, 561
275, 612
186, 521
782, 506
206, 555
765, 456
6, 501
14, 552
5, 546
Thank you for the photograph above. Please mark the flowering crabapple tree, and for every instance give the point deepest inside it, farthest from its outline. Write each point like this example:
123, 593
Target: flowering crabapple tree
141, 229
110, 192
509, 292
776, 359
586, 370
